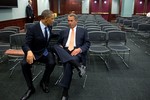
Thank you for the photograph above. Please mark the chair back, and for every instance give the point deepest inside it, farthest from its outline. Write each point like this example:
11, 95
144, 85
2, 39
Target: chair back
9, 29
144, 27
13, 27
116, 37
56, 30
27, 26
4, 36
60, 27
97, 37
17, 40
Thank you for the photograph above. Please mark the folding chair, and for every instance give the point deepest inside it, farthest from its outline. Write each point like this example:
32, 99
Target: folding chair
117, 43
82, 62
13, 27
4, 42
98, 45
61, 76
16, 54
27, 26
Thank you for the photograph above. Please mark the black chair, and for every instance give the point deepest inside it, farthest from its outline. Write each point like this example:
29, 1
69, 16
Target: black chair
60, 27
4, 42
5, 36
111, 29
27, 26
144, 30
99, 46
83, 62
13, 27
16, 54
9, 29
117, 45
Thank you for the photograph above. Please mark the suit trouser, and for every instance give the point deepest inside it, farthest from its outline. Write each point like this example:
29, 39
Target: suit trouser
50, 63
65, 57
30, 20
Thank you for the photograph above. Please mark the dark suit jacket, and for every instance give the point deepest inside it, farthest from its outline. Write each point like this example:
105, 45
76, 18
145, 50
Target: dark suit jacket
29, 11
35, 41
82, 41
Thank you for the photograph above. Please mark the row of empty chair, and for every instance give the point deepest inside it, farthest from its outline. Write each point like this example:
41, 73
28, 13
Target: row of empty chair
93, 24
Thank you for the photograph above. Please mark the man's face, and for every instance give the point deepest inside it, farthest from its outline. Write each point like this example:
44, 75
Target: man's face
72, 22
50, 20
30, 2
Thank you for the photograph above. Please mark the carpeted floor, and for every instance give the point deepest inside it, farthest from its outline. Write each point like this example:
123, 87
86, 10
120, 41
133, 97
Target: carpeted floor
120, 83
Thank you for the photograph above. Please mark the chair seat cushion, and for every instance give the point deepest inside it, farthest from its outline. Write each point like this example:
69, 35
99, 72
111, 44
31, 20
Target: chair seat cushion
14, 52
119, 48
99, 49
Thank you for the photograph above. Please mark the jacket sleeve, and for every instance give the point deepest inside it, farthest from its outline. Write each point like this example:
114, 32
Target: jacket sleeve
86, 42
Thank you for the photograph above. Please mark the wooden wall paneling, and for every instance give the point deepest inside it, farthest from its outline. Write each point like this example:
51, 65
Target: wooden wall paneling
54, 6
16, 22
139, 8
62, 6
101, 8
70, 5
35, 10
145, 7
76, 5
109, 9
148, 6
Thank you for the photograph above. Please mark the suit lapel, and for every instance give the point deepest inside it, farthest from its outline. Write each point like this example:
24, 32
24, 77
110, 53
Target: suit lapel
77, 35
41, 32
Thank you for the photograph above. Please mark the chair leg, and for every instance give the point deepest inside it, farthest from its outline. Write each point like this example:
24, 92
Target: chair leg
123, 59
35, 76
61, 75
105, 61
84, 81
59, 79
13, 68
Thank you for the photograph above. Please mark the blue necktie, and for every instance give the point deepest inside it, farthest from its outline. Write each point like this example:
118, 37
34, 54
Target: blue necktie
46, 37
46, 33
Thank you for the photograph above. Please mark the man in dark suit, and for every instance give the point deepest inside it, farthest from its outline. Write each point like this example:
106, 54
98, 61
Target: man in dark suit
72, 56
29, 12
37, 49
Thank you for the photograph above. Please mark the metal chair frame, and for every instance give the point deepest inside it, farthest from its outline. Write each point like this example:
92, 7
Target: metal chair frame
117, 45
99, 46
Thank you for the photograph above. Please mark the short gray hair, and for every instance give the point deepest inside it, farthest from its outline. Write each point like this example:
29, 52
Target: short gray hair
46, 13
73, 15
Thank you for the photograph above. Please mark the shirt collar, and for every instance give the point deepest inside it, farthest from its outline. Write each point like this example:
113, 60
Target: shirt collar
75, 27
42, 25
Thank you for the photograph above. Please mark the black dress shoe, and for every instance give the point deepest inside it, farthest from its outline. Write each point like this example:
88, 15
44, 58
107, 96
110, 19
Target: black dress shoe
64, 98
44, 87
82, 71
28, 94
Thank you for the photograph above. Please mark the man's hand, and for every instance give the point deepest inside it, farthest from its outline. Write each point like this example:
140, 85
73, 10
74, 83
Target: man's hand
30, 57
75, 52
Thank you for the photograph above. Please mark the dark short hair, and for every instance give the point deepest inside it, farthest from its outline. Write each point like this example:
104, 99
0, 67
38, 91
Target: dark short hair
46, 13
73, 15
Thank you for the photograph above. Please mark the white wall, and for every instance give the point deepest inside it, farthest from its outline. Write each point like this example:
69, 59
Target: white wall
42, 5
115, 6
85, 6
16, 13
127, 8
